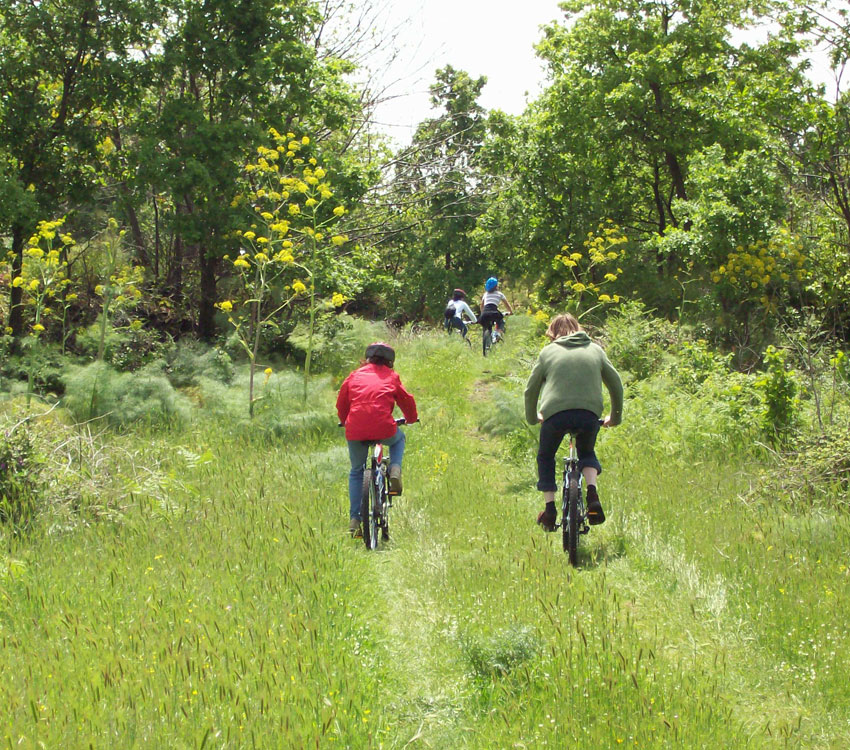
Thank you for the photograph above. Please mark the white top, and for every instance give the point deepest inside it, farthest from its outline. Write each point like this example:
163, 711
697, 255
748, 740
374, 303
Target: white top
492, 298
460, 306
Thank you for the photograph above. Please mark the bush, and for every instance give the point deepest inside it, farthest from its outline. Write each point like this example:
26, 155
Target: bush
128, 348
192, 361
96, 390
20, 482
636, 341
339, 342
815, 473
779, 387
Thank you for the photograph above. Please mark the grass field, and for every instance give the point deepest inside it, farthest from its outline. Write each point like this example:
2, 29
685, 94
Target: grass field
233, 610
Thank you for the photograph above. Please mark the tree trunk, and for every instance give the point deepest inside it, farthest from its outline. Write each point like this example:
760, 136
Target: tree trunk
206, 314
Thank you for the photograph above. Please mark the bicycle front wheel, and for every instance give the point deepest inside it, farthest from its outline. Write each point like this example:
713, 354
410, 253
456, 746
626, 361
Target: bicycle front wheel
573, 521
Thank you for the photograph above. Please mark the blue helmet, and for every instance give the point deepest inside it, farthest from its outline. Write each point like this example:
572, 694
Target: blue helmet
491, 283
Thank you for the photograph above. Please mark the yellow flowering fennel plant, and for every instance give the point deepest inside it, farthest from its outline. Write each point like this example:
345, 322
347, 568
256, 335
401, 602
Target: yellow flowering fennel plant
121, 282
44, 281
594, 267
760, 271
292, 214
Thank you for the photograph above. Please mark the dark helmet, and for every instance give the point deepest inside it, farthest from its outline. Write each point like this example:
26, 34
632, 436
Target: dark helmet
380, 349
458, 294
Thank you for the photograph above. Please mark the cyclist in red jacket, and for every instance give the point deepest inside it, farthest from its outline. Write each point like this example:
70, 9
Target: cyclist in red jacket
365, 406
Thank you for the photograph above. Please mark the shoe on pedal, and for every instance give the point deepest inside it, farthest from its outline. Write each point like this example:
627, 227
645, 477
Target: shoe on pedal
395, 480
595, 514
547, 520
354, 528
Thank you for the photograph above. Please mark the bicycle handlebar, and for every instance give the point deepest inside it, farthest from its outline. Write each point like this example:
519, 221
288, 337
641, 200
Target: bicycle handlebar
399, 421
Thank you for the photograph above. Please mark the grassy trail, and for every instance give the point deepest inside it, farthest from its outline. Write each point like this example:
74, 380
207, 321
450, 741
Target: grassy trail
240, 614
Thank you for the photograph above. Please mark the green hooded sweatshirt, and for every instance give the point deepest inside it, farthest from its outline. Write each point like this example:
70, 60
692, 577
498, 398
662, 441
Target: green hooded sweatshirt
568, 375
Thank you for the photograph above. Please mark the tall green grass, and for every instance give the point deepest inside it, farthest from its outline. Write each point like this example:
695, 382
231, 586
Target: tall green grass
233, 610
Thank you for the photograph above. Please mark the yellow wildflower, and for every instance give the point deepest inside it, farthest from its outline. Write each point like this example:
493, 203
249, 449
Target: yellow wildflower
339, 211
337, 299
17, 281
38, 328
298, 287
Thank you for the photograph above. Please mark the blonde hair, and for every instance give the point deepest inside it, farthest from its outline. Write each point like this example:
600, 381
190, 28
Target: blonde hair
562, 325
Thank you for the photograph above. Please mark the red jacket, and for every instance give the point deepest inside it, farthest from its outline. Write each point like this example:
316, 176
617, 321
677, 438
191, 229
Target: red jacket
366, 400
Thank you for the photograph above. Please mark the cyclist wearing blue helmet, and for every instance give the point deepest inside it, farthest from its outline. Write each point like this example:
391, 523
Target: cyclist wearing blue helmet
490, 302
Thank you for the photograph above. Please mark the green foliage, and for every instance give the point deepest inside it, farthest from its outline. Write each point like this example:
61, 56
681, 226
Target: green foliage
696, 362
145, 396
338, 342
20, 477
190, 361
815, 474
780, 388
637, 341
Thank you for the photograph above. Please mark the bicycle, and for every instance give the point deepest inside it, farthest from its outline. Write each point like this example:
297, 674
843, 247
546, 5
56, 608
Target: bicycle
492, 335
464, 332
376, 498
573, 512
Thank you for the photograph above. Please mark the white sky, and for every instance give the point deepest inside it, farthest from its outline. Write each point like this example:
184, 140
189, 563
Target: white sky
483, 37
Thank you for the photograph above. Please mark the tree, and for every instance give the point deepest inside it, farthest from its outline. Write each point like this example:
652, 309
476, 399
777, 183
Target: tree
437, 193
62, 64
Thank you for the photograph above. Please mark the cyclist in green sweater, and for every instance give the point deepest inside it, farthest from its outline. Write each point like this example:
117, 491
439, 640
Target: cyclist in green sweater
567, 379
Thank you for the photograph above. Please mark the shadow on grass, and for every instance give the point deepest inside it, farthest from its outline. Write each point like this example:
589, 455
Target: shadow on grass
592, 556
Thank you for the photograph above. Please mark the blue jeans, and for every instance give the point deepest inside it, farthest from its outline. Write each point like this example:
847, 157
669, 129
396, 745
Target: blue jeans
580, 421
358, 450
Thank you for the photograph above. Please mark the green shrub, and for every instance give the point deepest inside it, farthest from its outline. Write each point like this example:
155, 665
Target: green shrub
696, 362
96, 390
636, 341
339, 342
191, 361
127, 348
816, 473
20, 477
779, 387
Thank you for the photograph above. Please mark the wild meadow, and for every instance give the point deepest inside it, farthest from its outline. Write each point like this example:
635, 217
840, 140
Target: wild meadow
190, 582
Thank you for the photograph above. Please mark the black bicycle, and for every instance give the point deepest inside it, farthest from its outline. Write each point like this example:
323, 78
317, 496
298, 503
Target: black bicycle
573, 511
376, 498
492, 334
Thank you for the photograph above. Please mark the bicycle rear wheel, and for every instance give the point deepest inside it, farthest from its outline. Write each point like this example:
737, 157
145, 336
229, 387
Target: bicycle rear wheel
487, 341
369, 509
573, 521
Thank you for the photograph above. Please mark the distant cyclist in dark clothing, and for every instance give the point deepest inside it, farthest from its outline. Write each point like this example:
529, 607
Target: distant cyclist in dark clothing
455, 309
490, 301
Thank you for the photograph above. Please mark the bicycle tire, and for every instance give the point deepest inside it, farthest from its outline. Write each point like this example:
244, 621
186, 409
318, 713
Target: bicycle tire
367, 510
487, 341
573, 523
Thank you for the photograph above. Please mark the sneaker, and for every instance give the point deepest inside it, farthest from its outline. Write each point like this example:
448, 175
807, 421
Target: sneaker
595, 514
354, 528
547, 520
395, 480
